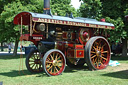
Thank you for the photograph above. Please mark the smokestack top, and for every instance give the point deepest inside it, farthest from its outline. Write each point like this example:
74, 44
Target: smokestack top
47, 9
46, 4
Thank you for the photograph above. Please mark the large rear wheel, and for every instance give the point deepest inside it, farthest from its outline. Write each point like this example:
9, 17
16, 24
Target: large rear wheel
54, 62
97, 53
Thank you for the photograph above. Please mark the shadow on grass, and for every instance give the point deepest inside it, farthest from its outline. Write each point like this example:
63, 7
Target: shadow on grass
67, 70
6, 57
120, 74
16, 73
70, 70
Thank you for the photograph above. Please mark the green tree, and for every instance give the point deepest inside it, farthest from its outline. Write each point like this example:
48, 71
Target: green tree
112, 11
61, 7
117, 10
9, 31
90, 8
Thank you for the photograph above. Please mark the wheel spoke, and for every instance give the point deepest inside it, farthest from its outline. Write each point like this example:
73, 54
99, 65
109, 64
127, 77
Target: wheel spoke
95, 60
58, 66
94, 48
51, 70
31, 61
48, 59
32, 58
36, 66
104, 58
48, 62
93, 56
56, 69
50, 67
101, 61
97, 47
33, 66
59, 61
100, 47
93, 52
51, 57
103, 46
56, 56
104, 52
99, 42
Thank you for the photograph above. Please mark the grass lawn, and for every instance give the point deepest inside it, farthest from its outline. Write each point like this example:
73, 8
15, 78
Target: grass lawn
9, 74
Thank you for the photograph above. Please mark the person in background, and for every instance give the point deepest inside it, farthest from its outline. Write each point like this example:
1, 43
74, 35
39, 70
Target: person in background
9, 48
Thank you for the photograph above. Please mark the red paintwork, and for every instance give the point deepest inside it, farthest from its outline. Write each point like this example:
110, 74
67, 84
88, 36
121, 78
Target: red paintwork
103, 20
64, 36
85, 35
80, 53
27, 37
79, 47
75, 53
25, 16
89, 33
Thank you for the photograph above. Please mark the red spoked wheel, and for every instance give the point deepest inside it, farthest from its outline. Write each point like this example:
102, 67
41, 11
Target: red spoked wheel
54, 62
33, 62
97, 52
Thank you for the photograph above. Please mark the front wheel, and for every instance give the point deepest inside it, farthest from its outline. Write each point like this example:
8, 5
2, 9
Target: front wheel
97, 52
54, 62
33, 62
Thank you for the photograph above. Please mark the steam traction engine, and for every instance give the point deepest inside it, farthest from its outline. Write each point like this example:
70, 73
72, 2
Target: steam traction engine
64, 40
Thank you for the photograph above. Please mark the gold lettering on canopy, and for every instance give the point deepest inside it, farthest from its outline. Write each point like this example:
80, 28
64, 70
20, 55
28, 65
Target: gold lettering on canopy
70, 23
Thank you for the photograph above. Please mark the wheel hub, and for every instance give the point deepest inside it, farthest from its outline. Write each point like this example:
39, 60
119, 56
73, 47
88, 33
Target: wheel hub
37, 61
54, 63
98, 53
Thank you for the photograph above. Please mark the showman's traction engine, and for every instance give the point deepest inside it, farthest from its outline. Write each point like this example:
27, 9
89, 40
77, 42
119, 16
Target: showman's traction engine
64, 40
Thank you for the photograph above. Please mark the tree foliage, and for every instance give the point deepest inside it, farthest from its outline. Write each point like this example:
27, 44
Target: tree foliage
61, 7
91, 8
112, 11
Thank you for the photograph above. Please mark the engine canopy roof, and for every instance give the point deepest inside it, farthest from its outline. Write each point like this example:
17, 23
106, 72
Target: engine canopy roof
44, 18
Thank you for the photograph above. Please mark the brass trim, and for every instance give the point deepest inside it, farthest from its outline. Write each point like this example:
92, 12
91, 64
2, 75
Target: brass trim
21, 31
81, 34
47, 31
31, 31
55, 45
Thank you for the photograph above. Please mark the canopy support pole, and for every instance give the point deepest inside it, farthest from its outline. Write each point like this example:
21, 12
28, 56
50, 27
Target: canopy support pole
31, 31
47, 32
21, 31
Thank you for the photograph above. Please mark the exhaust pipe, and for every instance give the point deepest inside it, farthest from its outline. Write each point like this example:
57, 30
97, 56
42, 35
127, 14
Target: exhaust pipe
47, 9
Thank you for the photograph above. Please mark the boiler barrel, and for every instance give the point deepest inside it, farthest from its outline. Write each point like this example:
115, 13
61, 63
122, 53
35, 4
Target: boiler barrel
44, 46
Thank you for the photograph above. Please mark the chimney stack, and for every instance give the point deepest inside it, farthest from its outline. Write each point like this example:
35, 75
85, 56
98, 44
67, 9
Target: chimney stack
47, 9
